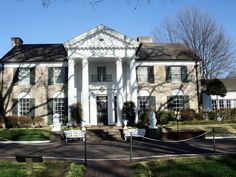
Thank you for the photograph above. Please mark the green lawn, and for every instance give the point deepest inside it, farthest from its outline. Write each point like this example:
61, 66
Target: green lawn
188, 167
221, 128
24, 134
45, 169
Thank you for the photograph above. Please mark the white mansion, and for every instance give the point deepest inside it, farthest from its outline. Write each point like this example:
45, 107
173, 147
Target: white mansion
101, 69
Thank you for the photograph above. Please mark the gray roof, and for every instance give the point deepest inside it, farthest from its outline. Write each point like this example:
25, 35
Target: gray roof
230, 83
168, 51
36, 53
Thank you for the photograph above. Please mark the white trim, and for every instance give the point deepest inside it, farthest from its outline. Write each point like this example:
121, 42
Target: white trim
59, 95
23, 95
143, 93
40, 64
165, 63
177, 92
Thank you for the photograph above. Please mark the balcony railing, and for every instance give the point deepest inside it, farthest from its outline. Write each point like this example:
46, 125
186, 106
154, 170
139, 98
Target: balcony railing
101, 78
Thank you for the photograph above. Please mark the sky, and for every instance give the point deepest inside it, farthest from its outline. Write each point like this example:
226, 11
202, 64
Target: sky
65, 19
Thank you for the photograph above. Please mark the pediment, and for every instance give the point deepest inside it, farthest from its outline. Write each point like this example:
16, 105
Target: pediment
102, 37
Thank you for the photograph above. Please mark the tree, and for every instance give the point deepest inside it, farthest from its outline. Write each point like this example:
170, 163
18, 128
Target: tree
216, 87
200, 32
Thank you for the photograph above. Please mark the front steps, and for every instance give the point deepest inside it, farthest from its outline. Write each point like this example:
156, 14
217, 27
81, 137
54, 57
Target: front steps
98, 133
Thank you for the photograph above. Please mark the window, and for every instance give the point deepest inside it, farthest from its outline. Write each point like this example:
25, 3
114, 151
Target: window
228, 103
221, 104
145, 103
57, 75
178, 100
214, 105
23, 106
176, 74
101, 75
24, 76
59, 106
145, 74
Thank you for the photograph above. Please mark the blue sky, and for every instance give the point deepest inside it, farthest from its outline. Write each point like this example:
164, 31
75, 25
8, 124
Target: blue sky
65, 19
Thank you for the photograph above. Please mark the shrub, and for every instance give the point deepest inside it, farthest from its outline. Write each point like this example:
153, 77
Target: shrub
38, 121
18, 122
163, 117
143, 118
188, 115
129, 112
24, 122
77, 113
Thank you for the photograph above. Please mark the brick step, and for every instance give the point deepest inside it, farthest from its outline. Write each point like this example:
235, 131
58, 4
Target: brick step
112, 134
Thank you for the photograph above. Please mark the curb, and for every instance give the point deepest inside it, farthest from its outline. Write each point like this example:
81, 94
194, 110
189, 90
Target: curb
220, 137
24, 142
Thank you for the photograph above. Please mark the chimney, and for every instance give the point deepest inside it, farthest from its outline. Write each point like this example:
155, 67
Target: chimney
145, 39
16, 41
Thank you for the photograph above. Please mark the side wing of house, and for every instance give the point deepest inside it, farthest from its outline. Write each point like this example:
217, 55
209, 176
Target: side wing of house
35, 81
168, 78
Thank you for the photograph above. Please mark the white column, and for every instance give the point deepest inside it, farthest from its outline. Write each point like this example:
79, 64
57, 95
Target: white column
85, 90
119, 84
110, 108
71, 86
133, 87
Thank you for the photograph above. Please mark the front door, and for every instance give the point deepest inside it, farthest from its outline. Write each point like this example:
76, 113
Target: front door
102, 110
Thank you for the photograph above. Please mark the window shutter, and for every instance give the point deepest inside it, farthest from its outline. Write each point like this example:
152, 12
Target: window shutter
15, 76
152, 103
50, 76
32, 107
151, 74
186, 102
169, 102
14, 106
50, 110
66, 106
184, 74
32, 76
65, 75
168, 74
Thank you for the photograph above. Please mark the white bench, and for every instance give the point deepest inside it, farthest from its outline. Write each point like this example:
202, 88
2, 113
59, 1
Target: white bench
136, 132
74, 134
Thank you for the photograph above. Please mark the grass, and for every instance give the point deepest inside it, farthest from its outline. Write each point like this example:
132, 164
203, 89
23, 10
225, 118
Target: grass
24, 134
47, 169
188, 167
222, 128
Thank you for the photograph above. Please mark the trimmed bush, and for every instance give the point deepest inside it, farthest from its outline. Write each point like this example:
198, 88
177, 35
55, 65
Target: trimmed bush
129, 112
143, 118
188, 115
163, 117
38, 122
18, 122
77, 113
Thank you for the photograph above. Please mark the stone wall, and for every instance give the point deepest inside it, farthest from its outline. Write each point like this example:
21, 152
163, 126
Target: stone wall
41, 91
161, 89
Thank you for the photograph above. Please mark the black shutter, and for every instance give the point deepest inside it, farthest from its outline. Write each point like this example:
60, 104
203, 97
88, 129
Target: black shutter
169, 102
32, 107
151, 74
50, 76
50, 110
15, 76
65, 75
14, 106
65, 106
168, 74
186, 102
184, 74
32, 76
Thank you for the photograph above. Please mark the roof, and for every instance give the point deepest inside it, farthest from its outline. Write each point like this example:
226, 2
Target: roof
230, 83
36, 53
167, 51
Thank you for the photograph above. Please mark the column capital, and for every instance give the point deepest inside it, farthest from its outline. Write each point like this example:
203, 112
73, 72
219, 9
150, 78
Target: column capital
118, 60
84, 60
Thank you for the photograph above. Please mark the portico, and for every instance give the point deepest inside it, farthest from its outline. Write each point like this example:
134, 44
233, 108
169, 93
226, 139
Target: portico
101, 74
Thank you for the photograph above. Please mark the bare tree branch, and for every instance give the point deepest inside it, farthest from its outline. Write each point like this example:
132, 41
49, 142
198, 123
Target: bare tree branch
200, 32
